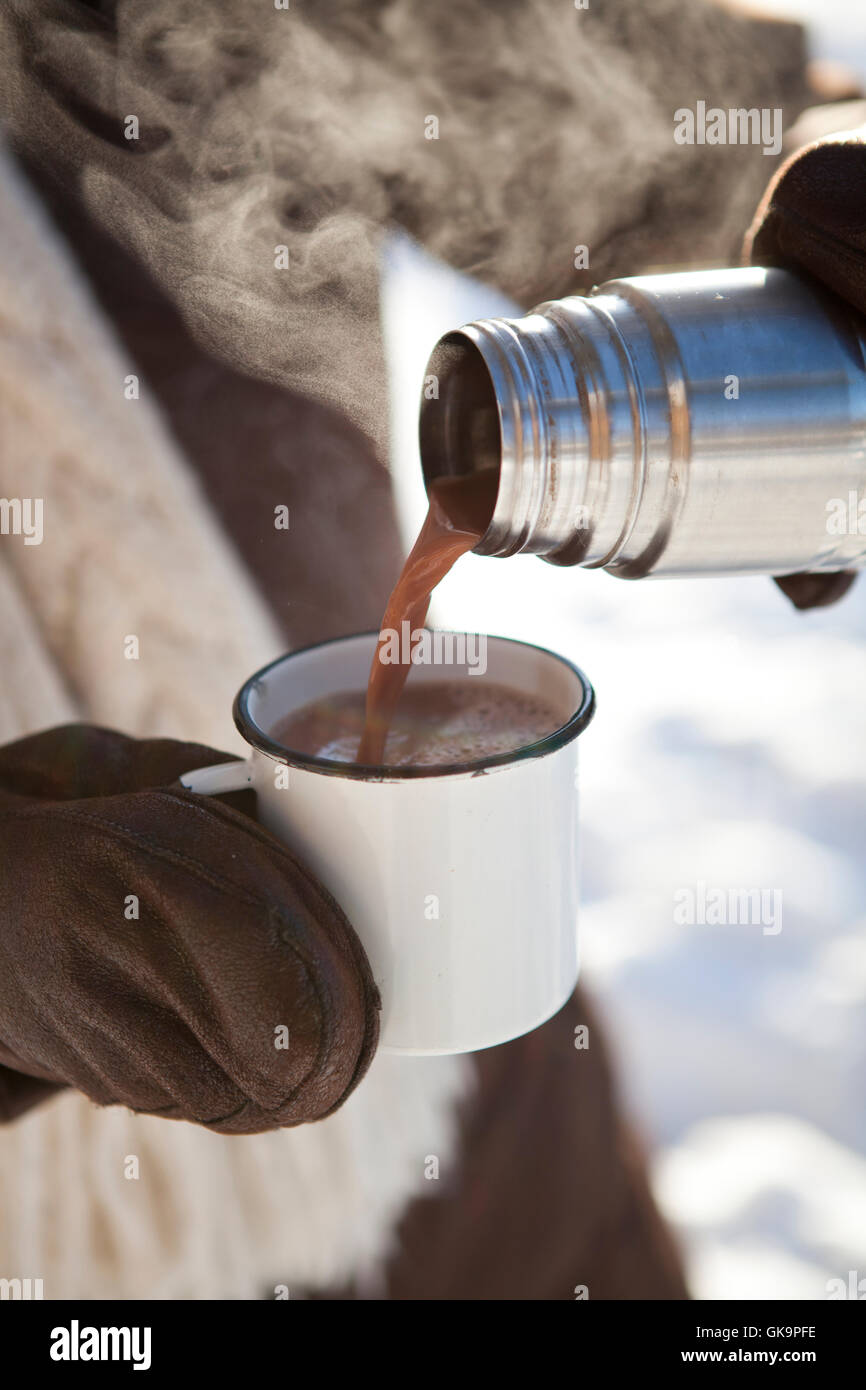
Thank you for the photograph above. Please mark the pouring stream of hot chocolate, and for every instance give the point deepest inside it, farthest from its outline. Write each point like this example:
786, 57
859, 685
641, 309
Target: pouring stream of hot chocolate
458, 515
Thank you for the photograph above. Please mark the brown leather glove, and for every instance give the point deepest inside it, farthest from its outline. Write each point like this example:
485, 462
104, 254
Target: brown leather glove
813, 216
174, 1012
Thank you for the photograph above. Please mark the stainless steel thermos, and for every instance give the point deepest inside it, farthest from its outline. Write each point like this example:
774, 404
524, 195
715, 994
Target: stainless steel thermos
710, 422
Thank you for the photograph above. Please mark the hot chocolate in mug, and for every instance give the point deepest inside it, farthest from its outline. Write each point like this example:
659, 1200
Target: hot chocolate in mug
461, 882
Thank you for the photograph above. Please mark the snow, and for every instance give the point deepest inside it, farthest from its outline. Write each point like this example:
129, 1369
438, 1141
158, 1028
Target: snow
837, 31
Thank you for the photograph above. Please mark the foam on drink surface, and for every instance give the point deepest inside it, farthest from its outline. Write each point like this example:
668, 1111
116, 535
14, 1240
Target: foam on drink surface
436, 724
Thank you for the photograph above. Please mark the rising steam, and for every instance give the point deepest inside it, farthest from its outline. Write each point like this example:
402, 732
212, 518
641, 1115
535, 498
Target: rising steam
305, 128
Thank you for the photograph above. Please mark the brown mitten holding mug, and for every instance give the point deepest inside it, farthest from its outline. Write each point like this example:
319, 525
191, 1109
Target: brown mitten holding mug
161, 950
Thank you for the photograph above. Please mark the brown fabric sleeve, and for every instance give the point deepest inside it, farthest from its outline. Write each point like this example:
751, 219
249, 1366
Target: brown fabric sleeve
550, 1193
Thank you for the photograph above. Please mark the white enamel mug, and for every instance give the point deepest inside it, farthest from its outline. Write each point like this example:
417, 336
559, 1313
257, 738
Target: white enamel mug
462, 883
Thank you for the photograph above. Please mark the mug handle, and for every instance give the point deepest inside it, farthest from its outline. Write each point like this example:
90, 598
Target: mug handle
219, 778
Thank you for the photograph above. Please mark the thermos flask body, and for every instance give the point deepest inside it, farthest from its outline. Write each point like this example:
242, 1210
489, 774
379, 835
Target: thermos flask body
708, 422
